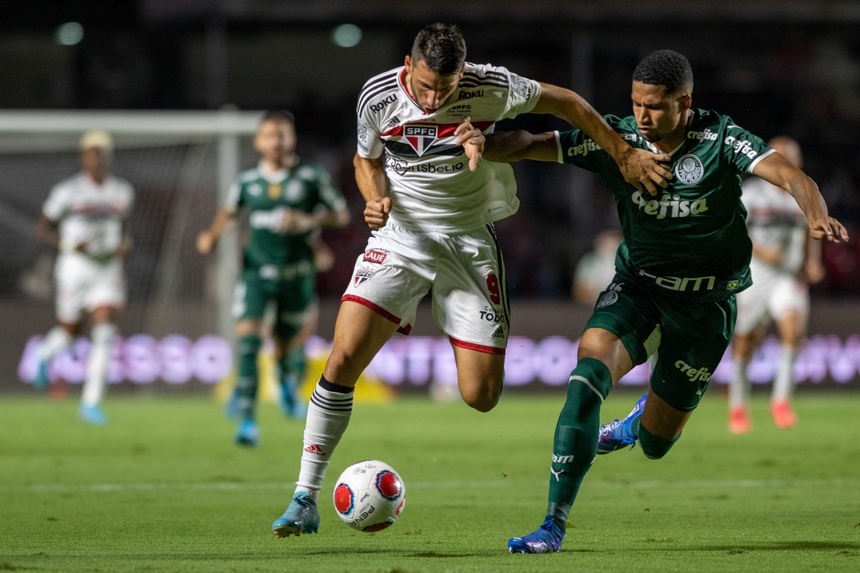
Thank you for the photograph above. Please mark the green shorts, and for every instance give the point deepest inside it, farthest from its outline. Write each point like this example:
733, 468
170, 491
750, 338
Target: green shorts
285, 297
683, 340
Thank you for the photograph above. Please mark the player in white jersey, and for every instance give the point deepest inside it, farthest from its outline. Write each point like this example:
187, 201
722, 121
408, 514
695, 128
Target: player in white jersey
431, 203
85, 218
784, 262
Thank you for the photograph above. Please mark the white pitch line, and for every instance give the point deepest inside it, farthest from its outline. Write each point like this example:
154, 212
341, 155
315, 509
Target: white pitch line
466, 485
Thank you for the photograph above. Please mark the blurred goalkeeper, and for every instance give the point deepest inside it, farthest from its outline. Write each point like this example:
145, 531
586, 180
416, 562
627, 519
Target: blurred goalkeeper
85, 218
288, 200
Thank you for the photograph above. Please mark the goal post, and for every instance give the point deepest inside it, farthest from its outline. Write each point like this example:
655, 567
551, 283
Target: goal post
181, 164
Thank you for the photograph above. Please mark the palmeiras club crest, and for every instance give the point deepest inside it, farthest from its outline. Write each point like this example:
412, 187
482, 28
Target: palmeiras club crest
420, 137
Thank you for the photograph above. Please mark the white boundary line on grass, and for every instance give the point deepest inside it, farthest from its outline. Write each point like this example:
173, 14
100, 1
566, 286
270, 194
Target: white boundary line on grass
232, 486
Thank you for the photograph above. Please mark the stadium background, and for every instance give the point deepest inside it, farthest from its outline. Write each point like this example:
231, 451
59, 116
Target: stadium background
775, 66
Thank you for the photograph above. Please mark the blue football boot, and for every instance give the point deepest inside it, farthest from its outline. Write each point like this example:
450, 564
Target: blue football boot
545, 539
291, 404
301, 517
248, 434
619, 434
92, 415
42, 377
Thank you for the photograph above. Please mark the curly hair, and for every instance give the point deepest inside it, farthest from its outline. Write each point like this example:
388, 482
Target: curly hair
665, 68
442, 48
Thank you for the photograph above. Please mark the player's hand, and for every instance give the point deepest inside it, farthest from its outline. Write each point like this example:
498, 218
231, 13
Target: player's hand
376, 212
646, 170
124, 249
205, 243
472, 140
827, 228
296, 222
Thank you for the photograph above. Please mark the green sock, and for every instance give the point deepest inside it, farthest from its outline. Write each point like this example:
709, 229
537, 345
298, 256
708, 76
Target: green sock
574, 446
248, 378
292, 368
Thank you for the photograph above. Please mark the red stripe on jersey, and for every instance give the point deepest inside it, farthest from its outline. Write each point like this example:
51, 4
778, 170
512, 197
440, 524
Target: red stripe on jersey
378, 310
477, 347
445, 129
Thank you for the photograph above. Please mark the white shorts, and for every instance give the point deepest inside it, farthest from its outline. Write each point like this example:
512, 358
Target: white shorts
84, 285
466, 275
771, 296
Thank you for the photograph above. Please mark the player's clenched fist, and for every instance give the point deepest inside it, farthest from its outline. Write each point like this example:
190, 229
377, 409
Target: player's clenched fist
376, 212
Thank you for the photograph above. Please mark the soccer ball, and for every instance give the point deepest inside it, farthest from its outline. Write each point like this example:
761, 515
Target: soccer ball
369, 496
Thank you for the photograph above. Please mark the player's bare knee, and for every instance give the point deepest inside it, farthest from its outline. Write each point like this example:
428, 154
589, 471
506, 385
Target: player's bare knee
482, 399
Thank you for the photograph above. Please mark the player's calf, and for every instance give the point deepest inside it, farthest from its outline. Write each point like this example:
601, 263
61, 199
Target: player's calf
654, 447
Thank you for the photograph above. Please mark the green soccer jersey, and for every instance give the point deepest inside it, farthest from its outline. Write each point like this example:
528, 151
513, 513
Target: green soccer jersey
267, 197
692, 239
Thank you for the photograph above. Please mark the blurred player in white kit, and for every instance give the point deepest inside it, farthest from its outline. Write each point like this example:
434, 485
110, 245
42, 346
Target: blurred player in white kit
85, 219
784, 263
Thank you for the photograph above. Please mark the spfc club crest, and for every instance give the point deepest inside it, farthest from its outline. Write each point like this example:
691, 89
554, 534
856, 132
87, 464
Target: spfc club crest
361, 276
421, 137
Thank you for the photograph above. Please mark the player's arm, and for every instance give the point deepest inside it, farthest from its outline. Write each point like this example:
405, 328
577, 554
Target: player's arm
640, 167
208, 238
126, 243
373, 185
779, 171
510, 146
48, 232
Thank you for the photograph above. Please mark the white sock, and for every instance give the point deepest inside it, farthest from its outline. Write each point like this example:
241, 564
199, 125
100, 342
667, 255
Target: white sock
739, 385
328, 417
57, 340
97, 365
783, 383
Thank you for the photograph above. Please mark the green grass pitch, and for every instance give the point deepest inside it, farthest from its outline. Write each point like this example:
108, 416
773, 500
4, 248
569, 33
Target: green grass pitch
163, 488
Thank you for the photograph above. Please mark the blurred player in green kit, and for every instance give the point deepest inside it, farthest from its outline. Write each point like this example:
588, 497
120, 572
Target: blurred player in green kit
287, 200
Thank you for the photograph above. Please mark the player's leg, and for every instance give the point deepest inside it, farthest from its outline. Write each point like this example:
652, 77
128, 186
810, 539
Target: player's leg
749, 331
470, 305
613, 342
480, 376
70, 307
792, 312
250, 298
249, 337
104, 299
740, 420
693, 339
57, 340
295, 320
601, 361
360, 333
389, 280
102, 331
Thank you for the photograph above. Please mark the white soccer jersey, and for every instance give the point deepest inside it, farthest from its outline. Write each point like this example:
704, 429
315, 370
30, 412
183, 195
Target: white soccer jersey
775, 221
432, 188
86, 212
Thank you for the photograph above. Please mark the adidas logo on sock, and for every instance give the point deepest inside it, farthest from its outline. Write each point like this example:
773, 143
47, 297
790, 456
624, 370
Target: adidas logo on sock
315, 449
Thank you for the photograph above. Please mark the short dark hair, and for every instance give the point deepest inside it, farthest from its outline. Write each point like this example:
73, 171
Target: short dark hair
281, 115
442, 48
665, 68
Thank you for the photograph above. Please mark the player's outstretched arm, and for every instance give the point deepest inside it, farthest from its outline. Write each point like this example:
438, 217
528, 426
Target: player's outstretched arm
510, 146
640, 167
207, 239
373, 185
779, 171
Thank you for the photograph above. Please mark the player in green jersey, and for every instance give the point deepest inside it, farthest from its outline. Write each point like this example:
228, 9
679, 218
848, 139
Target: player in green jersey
288, 200
684, 255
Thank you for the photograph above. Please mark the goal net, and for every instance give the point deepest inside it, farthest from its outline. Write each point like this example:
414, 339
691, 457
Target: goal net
181, 164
